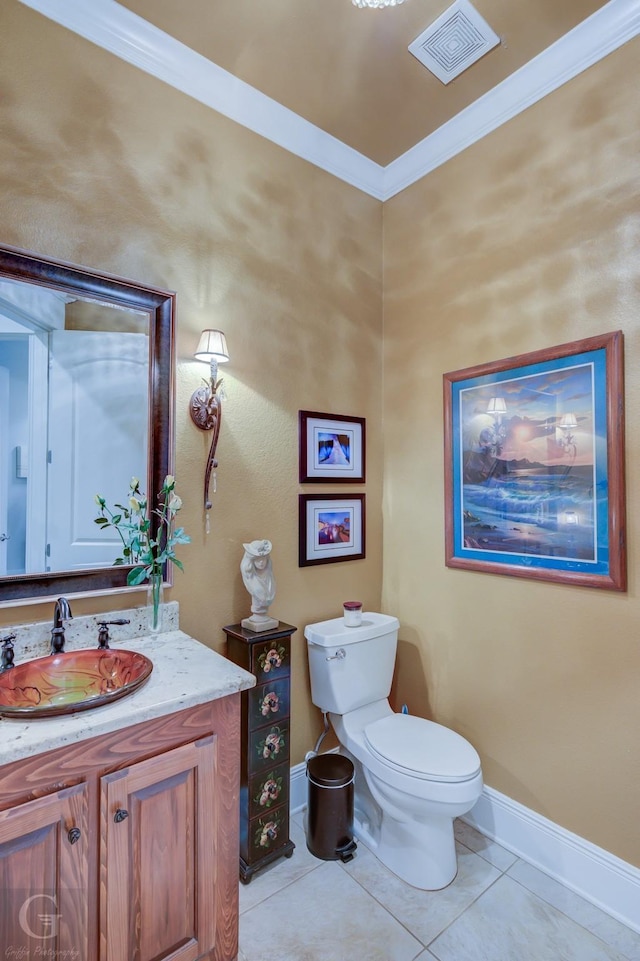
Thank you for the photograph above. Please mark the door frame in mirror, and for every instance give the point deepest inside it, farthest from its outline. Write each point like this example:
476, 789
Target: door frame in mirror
25, 266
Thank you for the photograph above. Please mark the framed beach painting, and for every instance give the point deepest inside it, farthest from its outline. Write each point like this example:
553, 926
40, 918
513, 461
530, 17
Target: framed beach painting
331, 528
534, 465
332, 448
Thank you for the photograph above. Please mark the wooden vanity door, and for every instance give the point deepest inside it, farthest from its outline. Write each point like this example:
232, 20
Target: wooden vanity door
44, 892
158, 859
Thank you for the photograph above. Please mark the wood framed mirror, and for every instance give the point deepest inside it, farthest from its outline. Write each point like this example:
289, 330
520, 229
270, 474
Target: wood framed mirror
86, 402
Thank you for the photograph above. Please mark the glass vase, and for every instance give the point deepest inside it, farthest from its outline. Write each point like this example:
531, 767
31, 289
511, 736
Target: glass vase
155, 591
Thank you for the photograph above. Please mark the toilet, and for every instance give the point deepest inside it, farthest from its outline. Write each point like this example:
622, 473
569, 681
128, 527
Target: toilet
418, 775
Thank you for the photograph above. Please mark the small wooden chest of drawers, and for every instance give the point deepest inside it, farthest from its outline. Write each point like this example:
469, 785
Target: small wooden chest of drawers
264, 773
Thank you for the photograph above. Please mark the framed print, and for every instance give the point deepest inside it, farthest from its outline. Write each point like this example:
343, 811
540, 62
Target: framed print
534, 465
332, 448
331, 528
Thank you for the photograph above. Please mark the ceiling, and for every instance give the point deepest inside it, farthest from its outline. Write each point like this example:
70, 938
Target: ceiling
346, 72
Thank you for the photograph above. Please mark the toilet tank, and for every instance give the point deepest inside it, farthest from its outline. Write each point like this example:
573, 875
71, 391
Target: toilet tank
343, 682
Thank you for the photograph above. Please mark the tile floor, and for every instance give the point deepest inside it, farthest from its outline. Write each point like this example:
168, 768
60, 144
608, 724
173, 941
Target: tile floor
499, 908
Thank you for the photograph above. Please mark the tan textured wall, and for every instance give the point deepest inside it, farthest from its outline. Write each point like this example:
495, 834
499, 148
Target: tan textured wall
526, 240
104, 166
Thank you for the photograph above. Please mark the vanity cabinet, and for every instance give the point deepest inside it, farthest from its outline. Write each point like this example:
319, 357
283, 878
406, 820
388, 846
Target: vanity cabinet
124, 847
264, 773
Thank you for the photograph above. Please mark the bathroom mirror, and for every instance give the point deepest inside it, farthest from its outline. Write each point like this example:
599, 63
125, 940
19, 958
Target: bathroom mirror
86, 402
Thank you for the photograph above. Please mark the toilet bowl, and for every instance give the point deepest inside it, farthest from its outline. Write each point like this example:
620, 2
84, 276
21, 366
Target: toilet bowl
419, 774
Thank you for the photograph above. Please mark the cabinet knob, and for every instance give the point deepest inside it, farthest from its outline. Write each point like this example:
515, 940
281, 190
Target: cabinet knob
74, 835
120, 815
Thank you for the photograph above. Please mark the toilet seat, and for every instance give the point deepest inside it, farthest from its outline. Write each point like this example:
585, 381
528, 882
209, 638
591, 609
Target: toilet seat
423, 749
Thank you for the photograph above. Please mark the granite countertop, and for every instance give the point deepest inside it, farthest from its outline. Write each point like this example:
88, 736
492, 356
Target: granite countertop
185, 673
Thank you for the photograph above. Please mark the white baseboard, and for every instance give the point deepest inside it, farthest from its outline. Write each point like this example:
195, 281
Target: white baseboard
298, 785
593, 873
298, 788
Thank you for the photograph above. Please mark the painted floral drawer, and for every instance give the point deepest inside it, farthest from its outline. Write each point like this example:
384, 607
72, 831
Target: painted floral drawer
268, 832
268, 703
268, 789
270, 660
268, 746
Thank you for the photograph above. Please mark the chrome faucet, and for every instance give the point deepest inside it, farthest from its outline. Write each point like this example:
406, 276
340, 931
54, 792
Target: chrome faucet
61, 613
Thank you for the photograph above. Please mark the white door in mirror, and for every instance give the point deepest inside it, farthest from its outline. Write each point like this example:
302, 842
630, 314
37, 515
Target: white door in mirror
97, 439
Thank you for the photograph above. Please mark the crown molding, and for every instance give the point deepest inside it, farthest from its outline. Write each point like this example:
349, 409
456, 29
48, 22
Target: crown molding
129, 37
123, 33
597, 36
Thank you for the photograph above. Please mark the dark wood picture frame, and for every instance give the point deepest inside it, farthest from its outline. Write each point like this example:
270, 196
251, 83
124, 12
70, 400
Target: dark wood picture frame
332, 528
534, 465
332, 448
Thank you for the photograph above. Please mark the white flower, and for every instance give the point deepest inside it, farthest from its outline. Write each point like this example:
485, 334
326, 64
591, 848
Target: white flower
148, 535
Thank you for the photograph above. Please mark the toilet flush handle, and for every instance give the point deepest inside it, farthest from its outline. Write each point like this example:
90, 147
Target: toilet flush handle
338, 656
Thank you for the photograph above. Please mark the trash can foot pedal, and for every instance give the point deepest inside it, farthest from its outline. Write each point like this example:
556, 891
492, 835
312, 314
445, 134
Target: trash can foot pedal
346, 851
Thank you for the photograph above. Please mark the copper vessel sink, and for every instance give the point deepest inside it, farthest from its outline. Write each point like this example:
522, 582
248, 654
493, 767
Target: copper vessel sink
69, 682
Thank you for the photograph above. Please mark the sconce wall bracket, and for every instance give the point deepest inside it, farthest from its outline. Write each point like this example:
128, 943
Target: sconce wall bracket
205, 408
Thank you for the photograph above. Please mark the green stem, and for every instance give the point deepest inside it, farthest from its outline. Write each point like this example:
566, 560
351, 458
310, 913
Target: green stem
156, 590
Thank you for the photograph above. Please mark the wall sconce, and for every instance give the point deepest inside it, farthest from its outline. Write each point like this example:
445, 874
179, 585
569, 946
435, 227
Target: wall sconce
205, 405
496, 407
567, 440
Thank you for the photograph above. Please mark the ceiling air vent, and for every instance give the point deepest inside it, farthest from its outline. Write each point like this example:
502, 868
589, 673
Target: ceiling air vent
454, 41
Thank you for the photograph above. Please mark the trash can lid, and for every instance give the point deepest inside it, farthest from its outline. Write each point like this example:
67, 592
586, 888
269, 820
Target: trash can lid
330, 770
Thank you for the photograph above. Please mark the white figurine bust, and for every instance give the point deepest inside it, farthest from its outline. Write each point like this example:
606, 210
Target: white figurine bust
257, 574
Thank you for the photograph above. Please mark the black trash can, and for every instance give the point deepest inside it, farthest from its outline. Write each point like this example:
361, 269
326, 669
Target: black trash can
330, 807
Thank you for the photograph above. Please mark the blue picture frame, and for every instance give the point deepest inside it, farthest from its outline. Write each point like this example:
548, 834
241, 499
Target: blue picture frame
534, 465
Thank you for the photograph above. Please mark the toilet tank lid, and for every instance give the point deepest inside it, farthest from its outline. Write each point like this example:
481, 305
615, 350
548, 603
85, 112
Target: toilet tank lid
335, 632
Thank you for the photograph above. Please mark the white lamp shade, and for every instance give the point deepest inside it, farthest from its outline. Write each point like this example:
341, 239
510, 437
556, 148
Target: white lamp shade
212, 346
568, 420
497, 405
